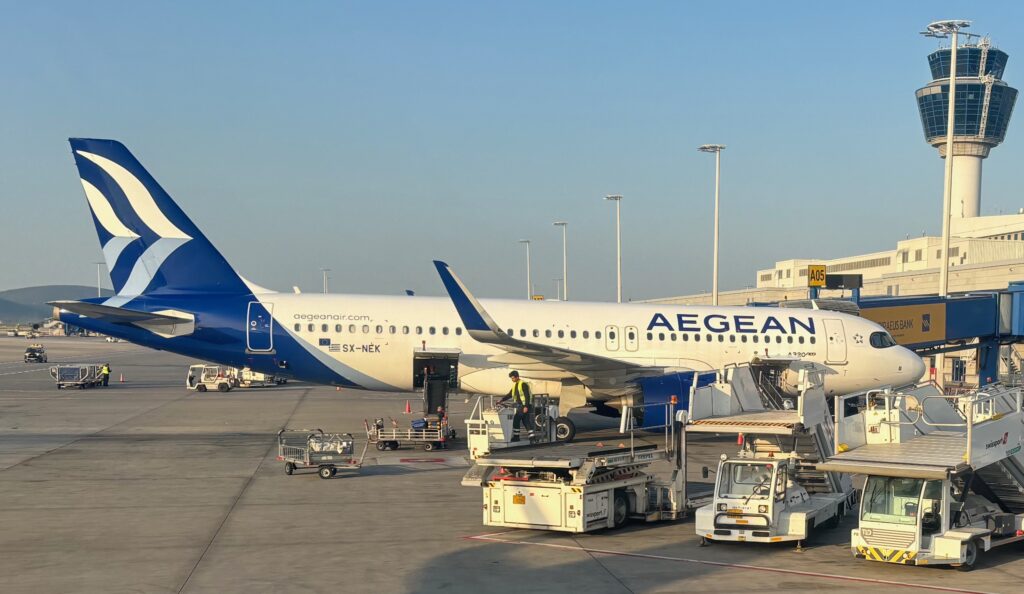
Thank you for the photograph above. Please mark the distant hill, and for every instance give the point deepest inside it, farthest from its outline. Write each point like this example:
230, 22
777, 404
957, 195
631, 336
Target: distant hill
28, 304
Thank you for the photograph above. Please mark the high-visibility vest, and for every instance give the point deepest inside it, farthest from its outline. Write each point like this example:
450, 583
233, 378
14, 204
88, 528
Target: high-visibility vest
519, 394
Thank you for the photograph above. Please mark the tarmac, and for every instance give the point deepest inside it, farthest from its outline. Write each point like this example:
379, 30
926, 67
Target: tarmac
144, 486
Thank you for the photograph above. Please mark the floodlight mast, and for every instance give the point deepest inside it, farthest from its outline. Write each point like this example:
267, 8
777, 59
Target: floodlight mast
717, 149
941, 30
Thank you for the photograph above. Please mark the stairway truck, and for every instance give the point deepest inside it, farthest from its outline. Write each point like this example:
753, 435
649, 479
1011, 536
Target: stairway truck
757, 499
945, 479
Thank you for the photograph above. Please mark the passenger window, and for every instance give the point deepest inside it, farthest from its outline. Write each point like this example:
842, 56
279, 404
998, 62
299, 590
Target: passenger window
721, 338
586, 334
536, 333
650, 336
778, 340
380, 329
756, 338
458, 331
323, 327
311, 327
743, 338
812, 338
661, 336
789, 339
419, 329
801, 339
572, 334
337, 328
366, 328
433, 330
597, 334
708, 338
511, 332
686, 338
298, 327
561, 334
672, 336
352, 328
405, 329
393, 330
522, 333
547, 334
611, 336
631, 336
696, 338
732, 338
444, 330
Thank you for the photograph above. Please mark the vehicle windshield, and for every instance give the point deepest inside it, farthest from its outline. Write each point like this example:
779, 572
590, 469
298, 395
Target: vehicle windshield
892, 500
881, 340
740, 480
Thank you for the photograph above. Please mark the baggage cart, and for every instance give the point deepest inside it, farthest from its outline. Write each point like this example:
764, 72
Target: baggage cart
312, 448
77, 375
435, 436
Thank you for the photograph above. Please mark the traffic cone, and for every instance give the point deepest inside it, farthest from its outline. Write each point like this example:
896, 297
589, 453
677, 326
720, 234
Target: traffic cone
122, 377
408, 408
739, 439
337, 388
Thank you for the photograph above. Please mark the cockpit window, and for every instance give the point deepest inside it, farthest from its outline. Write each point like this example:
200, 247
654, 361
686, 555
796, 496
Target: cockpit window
882, 340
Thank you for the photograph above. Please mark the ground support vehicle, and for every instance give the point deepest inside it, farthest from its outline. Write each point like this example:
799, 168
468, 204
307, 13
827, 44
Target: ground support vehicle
436, 436
35, 353
771, 491
77, 375
202, 378
490, 425
586, 487
312, 448
945, 474
247, 378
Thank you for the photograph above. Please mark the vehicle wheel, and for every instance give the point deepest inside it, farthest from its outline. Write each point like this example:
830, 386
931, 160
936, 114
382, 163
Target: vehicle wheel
394, 445
326, 472
428, 446
289, 468
452, 434
200, 388
565, 429
381, 446
223, 387
620, 509
334, 471
970, 556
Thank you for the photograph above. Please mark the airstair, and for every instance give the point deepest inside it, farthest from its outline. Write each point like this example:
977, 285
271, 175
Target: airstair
747, 401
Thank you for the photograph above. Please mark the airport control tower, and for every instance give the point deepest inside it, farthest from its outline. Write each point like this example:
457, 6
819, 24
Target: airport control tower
983, 107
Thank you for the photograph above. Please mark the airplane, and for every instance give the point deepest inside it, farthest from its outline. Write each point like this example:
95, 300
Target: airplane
175, 292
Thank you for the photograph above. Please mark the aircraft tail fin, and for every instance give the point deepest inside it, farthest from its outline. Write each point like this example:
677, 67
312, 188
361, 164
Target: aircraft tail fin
149, 244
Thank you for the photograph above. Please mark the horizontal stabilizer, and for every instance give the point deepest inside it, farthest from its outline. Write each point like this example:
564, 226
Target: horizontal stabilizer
118, 315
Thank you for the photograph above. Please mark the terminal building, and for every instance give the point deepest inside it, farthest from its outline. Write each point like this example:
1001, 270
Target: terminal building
986, 252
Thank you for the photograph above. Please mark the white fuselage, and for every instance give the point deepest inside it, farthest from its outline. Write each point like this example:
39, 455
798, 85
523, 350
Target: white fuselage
371, 340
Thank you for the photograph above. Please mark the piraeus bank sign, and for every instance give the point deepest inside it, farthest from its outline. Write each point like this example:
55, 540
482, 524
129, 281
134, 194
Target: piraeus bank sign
910, 324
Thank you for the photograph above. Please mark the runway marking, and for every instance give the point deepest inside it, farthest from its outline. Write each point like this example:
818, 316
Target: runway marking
831, 576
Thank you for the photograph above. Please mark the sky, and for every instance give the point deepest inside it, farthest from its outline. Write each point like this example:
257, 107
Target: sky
373, 137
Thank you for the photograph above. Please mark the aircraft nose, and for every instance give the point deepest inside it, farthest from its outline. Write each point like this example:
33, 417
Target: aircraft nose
912, 366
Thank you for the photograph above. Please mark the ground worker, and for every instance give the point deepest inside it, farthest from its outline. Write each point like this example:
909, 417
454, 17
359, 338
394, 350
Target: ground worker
522, 399
105, 372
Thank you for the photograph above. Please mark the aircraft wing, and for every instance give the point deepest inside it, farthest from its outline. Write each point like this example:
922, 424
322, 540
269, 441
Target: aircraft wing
118, 315
593, 371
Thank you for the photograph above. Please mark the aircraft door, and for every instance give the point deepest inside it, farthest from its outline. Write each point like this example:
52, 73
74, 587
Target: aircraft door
611, 338
632, 338
835, 348
259, 328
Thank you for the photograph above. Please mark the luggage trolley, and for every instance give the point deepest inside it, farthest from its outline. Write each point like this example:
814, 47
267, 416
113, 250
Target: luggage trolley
434, 436
312, 448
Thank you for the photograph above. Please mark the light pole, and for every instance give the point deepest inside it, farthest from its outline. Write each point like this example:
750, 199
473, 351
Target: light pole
99, 291
717, 149
325, 271
565, 261
618, 245
529, 281
558, 289
940, 30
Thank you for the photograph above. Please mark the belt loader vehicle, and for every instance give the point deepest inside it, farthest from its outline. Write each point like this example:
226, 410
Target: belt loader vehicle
770, 491
945, 475
585, 487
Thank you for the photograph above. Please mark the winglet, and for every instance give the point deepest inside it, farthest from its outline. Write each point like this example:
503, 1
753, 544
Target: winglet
478, 322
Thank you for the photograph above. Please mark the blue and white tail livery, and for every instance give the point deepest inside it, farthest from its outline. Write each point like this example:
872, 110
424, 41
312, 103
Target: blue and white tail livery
175, 292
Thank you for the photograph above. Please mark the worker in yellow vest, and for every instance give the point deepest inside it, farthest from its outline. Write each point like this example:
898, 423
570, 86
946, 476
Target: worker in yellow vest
522, 399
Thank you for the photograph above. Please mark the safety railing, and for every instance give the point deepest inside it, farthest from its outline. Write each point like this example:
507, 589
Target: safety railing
629, 423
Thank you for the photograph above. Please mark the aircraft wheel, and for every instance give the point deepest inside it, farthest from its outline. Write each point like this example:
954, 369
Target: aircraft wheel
565, 429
